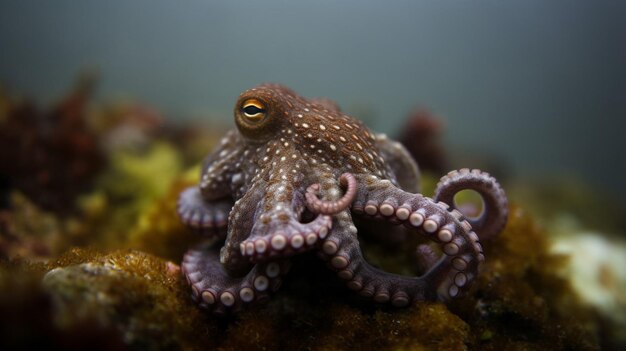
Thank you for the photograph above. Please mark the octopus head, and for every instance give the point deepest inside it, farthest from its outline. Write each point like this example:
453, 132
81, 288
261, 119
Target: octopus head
260, 112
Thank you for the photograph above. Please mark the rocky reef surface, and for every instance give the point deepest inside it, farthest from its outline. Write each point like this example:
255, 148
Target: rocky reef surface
98, 267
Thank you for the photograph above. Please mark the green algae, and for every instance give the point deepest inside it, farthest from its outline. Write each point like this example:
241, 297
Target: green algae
134, 181
142, 175
158, 229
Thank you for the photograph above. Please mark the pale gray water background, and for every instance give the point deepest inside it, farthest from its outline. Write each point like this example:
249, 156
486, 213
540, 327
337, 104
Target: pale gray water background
541, 84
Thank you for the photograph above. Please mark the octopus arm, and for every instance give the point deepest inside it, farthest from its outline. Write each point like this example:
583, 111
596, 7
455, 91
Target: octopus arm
315, 205
495, 204
343, 253
213, 288
447, 277
220, 166
402, 164
241, 219
278, 231
207, 218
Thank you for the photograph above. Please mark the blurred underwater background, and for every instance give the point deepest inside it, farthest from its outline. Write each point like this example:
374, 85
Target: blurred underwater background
108, 108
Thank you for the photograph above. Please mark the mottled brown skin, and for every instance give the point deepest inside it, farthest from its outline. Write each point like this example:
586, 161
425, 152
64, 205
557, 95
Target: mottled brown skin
280, 180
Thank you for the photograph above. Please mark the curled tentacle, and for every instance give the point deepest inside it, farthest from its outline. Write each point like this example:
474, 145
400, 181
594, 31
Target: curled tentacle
447, 276
203, 217
284, 239
315, 205
212, 287
453, 272
495, 209
277, 229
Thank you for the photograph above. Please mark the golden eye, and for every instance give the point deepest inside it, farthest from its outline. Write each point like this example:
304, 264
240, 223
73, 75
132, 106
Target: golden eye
253, 109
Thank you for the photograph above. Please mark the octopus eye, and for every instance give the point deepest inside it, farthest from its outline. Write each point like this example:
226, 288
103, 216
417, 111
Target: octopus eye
253, 109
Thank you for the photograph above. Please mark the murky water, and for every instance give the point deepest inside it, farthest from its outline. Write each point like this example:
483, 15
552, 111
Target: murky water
540, 86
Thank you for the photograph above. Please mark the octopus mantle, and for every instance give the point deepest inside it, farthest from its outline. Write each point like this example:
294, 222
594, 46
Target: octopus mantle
291, 179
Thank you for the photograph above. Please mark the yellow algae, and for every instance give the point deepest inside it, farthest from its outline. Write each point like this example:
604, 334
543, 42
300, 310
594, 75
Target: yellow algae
158, 229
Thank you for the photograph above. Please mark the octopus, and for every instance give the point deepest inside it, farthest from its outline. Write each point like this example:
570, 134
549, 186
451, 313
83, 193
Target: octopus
293, 177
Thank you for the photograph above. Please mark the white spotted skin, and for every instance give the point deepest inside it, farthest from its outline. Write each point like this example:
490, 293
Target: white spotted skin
287, 144
310, 131
219, 167
267, 173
